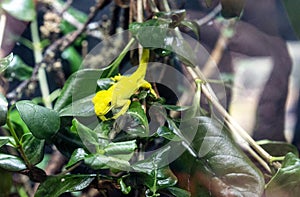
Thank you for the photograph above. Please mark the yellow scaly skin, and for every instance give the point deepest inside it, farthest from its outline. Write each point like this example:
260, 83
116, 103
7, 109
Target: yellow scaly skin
118, 95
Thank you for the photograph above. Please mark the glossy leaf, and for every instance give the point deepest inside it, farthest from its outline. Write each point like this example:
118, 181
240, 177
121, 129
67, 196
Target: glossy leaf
11, 163
42, 122
82, 107
3, 109
99, 161
160, 178
157, 159
286, 181
115, 148
23, 10
221, 163
78, 155
3, 142
135, 121
33, 148
278, 149
176, 107
4, 62
124, 188
152, 33
79, 85
165, 132
7, 140
88, 136
54, 186
17, 69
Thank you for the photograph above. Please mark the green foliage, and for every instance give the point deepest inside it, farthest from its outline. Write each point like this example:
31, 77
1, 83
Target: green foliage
42, 122
129, 153
11, 163
3, 109
286, 181
4, 62
23, 10
17, 69
33, 148
54, 186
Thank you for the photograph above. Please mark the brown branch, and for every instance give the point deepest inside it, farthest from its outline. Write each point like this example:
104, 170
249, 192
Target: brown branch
59, 45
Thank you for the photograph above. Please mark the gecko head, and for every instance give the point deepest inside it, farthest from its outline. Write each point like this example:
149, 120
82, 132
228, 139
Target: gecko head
102, 103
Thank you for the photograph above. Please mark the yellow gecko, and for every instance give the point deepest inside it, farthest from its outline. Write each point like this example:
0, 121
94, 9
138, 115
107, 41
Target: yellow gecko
118, 95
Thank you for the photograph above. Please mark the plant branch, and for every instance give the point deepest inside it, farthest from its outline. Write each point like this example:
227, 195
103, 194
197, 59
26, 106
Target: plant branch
16, 138
38, 57
59, 45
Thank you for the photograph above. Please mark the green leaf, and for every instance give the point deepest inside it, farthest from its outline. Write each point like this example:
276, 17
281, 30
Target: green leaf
135, 121
82, 107
18, 123
286, 182
160, 178
79, 85
222, 162
3, 109
23, 10
33, 148
73, 57
3, 142
54, 186
4, 62
99, 161
78, 155
42, 122
178, 192
7, 140
124, 188
11, 163
151, 33
88, 136
278, 149
115, 148
176, 107
17, 69
158, 159
165, 132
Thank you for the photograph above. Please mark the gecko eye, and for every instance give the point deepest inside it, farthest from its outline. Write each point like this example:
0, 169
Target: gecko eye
109, 104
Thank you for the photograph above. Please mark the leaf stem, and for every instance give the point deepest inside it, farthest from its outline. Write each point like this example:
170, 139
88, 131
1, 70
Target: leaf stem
38, 57
17, 141
118, 60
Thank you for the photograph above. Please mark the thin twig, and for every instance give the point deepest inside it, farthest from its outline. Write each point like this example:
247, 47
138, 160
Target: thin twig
59, 45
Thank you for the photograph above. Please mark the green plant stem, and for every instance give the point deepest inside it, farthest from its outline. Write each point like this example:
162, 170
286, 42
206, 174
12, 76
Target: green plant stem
17, 141
38, 57
118, 60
